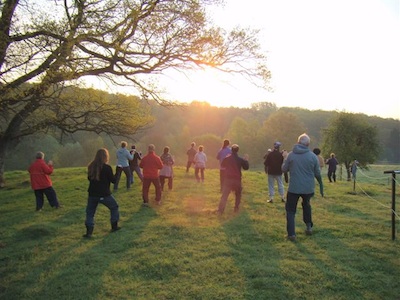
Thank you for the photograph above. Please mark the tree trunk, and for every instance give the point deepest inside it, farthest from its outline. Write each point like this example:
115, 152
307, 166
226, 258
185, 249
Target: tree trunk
348, 171
2, 162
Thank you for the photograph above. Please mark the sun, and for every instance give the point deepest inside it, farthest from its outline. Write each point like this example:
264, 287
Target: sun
209, 85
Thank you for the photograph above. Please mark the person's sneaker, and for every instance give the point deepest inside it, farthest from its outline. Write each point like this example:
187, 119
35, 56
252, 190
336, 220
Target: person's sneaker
291, 238
283, 200
145, 205
270, 201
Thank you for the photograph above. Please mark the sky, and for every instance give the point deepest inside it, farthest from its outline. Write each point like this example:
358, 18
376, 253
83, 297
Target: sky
341, 55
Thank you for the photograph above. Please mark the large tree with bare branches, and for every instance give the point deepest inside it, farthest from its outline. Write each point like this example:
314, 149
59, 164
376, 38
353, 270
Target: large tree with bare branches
48, 44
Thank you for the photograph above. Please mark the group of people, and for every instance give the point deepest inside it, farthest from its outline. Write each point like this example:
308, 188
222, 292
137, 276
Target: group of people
301, 163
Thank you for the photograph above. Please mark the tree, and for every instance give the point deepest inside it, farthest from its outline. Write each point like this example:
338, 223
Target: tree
284, 127
48, 45
351, 137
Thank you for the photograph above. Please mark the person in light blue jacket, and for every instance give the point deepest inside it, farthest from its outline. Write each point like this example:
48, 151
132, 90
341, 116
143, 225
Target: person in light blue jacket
222, 153
123, 158
303, 166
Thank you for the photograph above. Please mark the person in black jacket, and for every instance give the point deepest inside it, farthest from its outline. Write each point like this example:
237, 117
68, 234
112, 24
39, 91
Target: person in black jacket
100, 175
232, 165
273, 165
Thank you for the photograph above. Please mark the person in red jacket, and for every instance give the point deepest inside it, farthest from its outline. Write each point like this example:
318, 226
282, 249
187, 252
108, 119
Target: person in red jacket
41, 183
151, 165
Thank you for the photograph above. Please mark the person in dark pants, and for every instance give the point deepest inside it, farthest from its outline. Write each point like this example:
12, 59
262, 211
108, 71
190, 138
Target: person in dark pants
222, 153
332, 162
41, 183
151, 165
233, 165
123, 158
303, 166
134, 163
191, 152
100, 175
273, 165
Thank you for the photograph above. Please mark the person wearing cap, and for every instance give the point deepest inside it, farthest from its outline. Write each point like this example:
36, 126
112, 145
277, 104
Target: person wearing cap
233, 165
151, 165
191, 152
303, 166
273, 166
222, 153
134, 163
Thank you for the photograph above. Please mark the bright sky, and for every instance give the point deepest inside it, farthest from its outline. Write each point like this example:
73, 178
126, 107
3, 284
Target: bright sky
341, 55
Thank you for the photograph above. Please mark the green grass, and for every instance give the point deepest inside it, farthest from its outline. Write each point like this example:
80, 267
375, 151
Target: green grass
183, 250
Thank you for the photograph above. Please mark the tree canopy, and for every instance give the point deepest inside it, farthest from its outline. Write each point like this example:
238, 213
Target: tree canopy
351, 138
46, 45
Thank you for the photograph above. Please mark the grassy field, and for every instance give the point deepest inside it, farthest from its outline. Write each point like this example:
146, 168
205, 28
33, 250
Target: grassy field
183, 250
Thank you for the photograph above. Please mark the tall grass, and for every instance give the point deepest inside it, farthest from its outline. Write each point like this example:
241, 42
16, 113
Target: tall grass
183, 250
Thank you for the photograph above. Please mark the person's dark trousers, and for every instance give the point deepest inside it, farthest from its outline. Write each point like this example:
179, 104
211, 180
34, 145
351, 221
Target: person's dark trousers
118, 172
221, 179
50, 195
146, 186
332, 175
108, 201
188, 165
230, 185
162, 182
291, 207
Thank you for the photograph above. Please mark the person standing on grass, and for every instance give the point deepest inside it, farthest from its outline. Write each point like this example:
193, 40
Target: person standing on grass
134, 164
233, 165
332, 162
191, 152
166, 173
273, 165
41, 183
303, 166
222, 153
151, 165
100, 176
123, 158
200, 160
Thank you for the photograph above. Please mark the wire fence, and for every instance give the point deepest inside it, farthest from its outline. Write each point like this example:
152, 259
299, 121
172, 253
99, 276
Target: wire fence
384, 179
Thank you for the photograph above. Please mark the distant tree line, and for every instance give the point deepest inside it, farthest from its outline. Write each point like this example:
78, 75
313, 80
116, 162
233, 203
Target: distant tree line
255, 129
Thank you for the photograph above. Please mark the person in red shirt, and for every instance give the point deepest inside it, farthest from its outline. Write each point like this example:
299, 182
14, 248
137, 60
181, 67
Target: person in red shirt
151, 165
41, 183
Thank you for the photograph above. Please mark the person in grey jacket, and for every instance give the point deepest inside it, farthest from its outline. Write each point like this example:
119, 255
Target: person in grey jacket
123, 158
303, 166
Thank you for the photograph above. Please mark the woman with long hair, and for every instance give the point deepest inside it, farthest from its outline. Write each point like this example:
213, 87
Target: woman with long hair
100, 175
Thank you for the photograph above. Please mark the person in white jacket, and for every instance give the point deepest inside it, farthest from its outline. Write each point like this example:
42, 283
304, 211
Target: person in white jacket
123, 158
200, 160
